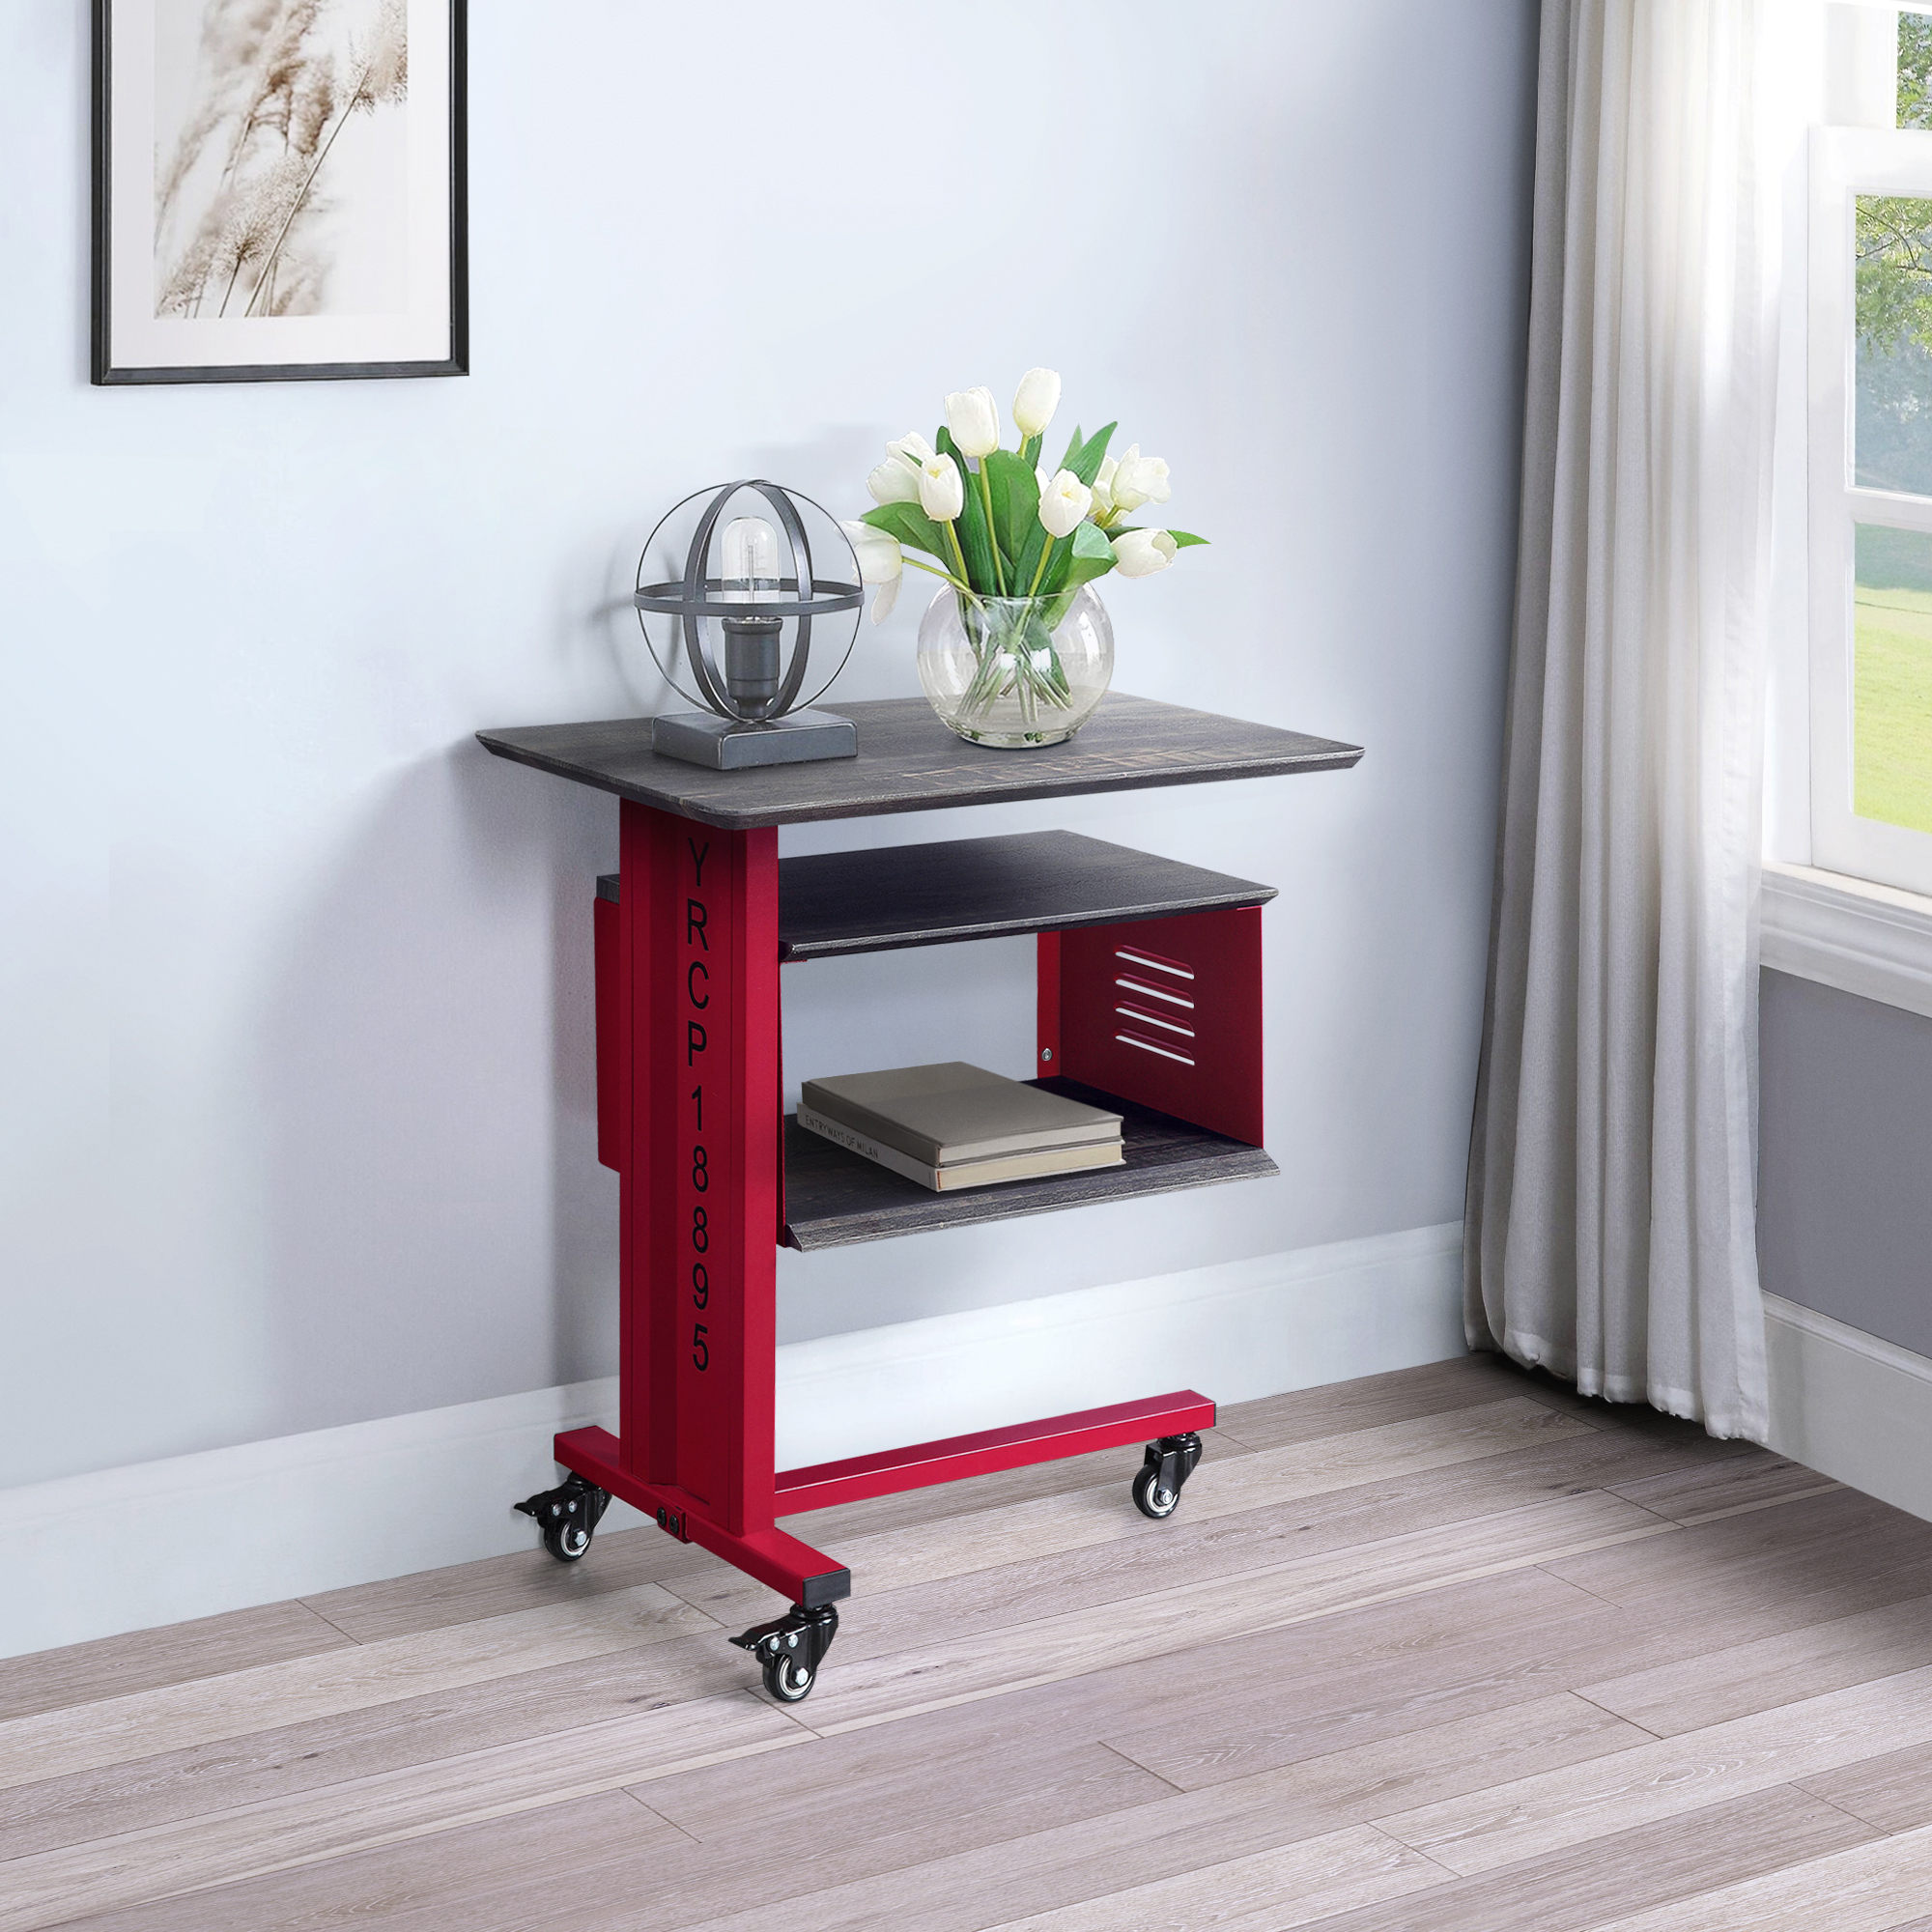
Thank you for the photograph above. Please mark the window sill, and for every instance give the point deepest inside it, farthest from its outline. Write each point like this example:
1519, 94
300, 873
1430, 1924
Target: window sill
1870, 940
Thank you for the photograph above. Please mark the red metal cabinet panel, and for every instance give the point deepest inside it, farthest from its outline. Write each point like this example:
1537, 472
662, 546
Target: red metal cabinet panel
1165, 1011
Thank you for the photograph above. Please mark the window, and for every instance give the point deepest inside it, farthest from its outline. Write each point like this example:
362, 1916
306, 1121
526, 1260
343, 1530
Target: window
1870, 382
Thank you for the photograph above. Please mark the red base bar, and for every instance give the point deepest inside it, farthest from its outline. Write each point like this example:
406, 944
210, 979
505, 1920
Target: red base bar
780, 1561
923, 1463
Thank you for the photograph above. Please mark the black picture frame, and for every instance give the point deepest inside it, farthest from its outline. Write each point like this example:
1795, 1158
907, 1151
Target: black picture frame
106, 374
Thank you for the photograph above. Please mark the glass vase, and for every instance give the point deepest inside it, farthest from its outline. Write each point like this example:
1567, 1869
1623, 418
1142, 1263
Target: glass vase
1015, 671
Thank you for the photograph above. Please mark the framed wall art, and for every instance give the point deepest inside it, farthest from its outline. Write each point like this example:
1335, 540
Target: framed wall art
278, 190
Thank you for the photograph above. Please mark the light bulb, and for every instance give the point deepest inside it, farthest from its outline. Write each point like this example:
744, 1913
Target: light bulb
751, 560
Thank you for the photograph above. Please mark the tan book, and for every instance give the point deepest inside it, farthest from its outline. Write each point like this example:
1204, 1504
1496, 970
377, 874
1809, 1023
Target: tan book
952, 1112
1034, 1166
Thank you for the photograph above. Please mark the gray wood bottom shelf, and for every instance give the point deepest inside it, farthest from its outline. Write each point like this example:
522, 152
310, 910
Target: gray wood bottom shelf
834, 903
834, 1199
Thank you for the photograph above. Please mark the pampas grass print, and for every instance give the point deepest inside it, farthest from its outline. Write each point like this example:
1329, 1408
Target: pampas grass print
248, 220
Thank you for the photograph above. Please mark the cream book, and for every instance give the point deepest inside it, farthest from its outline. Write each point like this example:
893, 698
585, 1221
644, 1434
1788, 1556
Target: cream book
954, 1111
1032, 1166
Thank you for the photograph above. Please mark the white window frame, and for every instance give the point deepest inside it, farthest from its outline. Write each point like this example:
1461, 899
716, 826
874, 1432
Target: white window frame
1846, 162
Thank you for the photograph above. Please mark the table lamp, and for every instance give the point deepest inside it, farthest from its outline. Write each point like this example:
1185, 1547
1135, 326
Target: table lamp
753, 714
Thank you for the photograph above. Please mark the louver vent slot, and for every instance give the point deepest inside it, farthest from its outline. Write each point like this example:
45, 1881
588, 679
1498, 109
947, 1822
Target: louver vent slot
1148, 992
1141, 1018
1148, 1046
1134, 957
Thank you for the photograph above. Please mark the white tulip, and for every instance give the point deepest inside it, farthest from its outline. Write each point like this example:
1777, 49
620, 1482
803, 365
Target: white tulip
893, 482
911, 448
1043, 476
1037, 397
973, 418
1140, 479
1103, 491
880, 557
881, 561
1142, 553
1063, 503
942, 489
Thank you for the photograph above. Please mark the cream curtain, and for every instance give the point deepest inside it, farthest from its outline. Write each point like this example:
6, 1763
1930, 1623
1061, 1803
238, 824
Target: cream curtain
1610, 1232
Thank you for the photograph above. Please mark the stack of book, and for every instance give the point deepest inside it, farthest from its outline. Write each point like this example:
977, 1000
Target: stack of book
954, 1125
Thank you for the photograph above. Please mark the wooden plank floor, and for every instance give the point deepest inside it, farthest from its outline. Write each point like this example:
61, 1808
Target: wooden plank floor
1444, 1651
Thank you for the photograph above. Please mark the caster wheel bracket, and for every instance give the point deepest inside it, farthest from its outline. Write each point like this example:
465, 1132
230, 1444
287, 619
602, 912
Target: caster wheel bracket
568, 1515
791, 1648
1172, 1459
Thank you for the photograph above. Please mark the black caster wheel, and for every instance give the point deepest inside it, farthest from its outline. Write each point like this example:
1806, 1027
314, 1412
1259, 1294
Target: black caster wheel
566, 1541
790, 1679
1164, 1471
568, 1517
791, 1648
1151, 1499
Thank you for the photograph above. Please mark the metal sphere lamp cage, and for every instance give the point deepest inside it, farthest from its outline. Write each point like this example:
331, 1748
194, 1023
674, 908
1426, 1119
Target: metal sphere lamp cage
753, 713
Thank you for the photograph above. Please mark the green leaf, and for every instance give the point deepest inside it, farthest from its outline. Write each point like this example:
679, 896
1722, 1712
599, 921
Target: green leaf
1092, 552
1088, 555
1085, 556
913, 528
1181, 538
1084, 462
1057, 560
1027, 563
975, 539
1015, 503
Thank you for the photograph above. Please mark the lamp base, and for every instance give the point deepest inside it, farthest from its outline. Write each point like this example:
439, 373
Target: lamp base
730, 744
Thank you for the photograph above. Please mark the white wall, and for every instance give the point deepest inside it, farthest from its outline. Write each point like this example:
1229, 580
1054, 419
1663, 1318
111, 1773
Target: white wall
294, 1115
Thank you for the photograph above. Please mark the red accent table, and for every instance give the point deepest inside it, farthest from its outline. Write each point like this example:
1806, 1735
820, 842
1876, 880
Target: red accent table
1149, 999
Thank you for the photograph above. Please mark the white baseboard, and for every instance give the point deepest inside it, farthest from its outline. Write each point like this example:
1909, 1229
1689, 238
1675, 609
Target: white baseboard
1850, 1405
1235, 1331
130, 1549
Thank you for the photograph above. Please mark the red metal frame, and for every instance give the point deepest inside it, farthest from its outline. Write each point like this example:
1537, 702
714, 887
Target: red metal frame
690, 1115
991, 1449
776, 1559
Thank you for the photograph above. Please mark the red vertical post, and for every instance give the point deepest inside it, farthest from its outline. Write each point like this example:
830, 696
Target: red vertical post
756, 1158
637, 893
699, 960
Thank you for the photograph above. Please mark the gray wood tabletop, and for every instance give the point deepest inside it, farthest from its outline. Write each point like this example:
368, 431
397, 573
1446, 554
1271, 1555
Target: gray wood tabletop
909, 761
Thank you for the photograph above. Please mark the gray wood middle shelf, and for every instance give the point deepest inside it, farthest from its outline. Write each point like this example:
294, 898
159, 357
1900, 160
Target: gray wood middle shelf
831, 903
